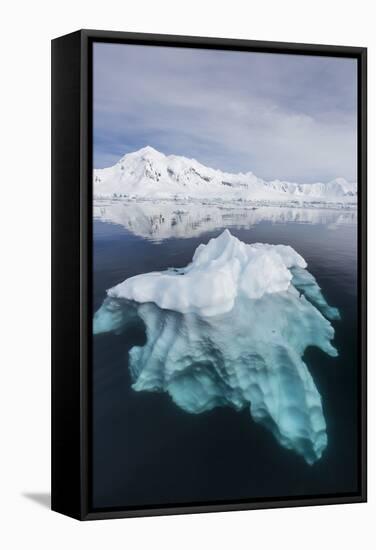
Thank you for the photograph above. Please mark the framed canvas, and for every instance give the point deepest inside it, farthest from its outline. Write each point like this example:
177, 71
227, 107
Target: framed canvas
208, 274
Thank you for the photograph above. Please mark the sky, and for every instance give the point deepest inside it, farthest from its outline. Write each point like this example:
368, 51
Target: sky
280, 116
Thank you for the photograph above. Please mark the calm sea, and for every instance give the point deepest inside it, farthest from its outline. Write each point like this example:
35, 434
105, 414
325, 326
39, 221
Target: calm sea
146, 450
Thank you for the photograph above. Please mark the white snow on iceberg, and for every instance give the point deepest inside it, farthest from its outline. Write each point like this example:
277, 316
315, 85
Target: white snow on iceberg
231, 329
219, 271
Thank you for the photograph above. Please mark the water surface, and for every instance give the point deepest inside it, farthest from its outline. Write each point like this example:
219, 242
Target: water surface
148, 451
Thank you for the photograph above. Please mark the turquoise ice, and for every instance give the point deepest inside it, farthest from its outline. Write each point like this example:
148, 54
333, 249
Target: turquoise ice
238, 342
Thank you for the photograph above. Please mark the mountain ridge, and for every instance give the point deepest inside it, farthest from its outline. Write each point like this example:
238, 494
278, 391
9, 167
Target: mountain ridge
149, 174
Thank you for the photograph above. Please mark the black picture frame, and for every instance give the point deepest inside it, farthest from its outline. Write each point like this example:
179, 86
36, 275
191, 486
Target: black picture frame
72, 261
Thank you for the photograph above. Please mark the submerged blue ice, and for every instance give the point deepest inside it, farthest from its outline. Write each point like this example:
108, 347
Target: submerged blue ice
241, 346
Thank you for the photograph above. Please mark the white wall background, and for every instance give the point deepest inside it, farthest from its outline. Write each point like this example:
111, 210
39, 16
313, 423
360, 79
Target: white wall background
27, 28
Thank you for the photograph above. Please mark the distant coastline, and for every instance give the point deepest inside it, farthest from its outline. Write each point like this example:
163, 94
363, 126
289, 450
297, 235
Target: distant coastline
150, 175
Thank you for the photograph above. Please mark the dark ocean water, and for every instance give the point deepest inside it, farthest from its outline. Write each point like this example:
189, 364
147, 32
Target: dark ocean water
147, 451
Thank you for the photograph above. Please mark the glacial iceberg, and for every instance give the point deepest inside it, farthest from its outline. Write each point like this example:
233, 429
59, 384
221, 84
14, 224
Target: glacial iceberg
231, 329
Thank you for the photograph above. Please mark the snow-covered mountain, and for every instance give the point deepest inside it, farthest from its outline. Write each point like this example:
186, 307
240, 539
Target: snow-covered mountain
149, 174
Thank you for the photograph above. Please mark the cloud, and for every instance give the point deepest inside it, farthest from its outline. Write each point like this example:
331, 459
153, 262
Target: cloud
280, 116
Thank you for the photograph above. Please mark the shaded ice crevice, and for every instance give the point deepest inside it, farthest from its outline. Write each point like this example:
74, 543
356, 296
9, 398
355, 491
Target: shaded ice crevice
230, 329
